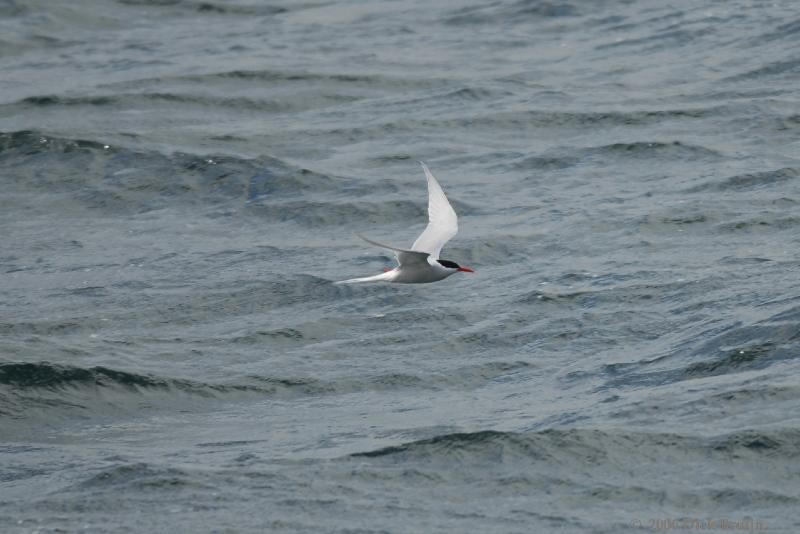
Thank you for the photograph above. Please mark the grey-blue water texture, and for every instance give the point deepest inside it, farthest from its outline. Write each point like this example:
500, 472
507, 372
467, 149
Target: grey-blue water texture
182, 181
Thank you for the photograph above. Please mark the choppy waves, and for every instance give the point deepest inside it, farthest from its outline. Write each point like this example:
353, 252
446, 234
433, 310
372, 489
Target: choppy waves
495, 471
48, 392
114, 178
183, 180
589, 446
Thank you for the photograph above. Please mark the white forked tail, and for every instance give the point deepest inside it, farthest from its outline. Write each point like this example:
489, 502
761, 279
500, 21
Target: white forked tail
388, 276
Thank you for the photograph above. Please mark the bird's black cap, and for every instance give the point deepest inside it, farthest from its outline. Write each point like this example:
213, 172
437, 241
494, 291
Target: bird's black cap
449, 264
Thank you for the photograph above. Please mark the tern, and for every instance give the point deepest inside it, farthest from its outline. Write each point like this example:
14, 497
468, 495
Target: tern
421, 264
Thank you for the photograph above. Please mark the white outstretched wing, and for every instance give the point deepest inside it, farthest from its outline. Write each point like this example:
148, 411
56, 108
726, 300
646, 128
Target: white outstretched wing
404, 257
442, 220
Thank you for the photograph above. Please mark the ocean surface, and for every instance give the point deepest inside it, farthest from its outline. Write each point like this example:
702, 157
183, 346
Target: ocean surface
182, 182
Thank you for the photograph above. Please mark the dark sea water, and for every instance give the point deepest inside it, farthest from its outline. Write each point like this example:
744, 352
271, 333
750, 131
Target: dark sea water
182, 181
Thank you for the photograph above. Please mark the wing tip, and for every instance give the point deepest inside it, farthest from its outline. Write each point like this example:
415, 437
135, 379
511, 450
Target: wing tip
427, 171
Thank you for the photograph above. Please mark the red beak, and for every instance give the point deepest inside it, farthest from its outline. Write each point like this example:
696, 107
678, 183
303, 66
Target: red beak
465, 270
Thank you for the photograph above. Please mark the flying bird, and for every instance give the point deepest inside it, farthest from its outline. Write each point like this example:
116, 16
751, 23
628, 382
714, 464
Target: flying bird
421, 264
